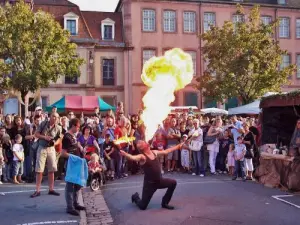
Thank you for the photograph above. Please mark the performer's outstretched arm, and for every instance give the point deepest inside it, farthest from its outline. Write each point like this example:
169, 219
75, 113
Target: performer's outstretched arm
167, 151
137, 158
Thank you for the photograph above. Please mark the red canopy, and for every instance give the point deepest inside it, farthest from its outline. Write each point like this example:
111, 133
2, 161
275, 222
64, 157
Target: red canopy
82, 103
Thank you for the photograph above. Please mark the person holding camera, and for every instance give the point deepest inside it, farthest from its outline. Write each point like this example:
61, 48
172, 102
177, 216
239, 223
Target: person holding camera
48, 133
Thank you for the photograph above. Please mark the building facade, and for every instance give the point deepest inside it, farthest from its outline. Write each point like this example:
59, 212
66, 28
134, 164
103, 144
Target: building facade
99, 40
152, 27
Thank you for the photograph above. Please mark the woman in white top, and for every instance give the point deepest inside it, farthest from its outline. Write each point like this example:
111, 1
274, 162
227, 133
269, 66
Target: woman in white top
197, 137
215, 130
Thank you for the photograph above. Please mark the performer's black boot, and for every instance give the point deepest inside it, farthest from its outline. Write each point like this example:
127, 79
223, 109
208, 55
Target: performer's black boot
166, 206
135, 197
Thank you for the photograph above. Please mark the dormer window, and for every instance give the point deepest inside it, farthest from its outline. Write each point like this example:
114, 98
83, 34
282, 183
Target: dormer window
71, 23
281, 2
108, 29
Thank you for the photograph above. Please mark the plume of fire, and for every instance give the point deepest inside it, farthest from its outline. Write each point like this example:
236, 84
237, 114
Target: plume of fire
123, 140
164, 75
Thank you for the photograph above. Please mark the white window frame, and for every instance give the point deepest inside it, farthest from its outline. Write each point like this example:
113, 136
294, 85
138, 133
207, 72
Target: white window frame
266, 20
285, 61
284, 27
149, 20
148, 54
169, 24
193, 54
107, 22
298, 28
298, 65
71, 16
189, 22
209, 18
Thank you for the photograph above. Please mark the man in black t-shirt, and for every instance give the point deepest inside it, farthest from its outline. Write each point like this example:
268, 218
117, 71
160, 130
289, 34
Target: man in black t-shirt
70, 146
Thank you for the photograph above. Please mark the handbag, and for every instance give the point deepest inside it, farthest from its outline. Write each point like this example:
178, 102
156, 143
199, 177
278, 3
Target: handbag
195, 145
209, 140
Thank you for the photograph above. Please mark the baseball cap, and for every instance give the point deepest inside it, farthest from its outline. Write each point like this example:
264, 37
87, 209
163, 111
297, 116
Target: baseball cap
184, 135
38, 108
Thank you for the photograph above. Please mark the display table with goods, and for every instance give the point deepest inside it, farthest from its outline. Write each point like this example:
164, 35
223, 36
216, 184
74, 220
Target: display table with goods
279, 171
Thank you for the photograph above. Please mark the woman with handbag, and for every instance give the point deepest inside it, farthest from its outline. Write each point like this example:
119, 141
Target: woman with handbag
212, 140
195, 145
249, 141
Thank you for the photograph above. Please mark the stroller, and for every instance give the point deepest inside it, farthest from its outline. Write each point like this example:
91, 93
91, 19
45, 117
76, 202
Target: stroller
95, 180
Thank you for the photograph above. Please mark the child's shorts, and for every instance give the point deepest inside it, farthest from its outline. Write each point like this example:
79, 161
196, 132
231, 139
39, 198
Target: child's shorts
17, 168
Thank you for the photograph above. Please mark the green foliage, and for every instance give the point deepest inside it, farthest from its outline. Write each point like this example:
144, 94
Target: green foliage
38, 48
243, 60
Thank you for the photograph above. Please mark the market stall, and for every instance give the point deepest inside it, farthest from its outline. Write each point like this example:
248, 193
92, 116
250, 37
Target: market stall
80, 104
279, 117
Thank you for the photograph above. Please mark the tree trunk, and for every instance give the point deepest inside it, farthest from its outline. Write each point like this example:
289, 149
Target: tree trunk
25, 98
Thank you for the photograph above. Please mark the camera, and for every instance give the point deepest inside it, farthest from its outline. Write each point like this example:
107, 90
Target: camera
52, 141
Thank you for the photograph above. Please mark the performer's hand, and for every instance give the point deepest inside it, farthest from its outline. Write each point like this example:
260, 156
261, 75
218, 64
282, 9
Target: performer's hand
122, 153
180, 145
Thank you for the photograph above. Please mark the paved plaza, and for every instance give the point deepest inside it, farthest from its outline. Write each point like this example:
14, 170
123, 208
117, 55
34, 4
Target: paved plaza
205, 201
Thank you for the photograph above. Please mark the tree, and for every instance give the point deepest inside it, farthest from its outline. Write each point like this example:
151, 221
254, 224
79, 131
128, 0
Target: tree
34, 49
243, 60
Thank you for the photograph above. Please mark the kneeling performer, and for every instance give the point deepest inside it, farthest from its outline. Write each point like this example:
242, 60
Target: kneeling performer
153, 179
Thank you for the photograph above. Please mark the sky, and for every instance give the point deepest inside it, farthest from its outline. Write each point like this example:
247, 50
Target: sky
96, 5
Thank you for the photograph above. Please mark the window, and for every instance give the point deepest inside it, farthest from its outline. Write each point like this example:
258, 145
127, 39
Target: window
266, 20
107, 32
191, 99
189, 22
281, 2
284, 27
108, 29
209, 20
298, 65
111, 100
71, 80
147, 54
71, 23
169, 21
238, 18
148, 20
285, 61
108, 77
44, 102
194, 57
71, 27
297, 28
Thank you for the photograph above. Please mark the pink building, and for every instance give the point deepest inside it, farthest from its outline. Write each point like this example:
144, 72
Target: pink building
152, 27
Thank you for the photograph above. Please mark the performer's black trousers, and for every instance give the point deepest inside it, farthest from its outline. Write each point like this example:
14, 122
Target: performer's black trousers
150, 188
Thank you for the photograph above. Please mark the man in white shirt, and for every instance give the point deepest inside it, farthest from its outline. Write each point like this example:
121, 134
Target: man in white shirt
236, 128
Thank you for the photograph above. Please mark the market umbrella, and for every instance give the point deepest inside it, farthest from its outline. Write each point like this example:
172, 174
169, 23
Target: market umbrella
214, 111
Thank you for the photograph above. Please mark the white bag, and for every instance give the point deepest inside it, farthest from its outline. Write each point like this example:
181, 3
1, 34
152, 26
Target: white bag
195, 145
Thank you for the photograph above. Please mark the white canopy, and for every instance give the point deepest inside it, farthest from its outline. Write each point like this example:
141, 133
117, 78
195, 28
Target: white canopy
251, 108
214, 111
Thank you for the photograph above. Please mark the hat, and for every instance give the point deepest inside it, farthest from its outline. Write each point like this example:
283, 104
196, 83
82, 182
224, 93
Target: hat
184, 135
38, 108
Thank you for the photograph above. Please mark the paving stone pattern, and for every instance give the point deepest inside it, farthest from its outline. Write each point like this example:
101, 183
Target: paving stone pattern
97, 212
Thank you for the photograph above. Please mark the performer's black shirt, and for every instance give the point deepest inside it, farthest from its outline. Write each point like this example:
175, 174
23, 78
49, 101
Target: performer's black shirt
69, 143
152, 169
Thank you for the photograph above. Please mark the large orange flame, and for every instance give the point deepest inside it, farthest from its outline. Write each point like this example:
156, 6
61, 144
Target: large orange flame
164, 75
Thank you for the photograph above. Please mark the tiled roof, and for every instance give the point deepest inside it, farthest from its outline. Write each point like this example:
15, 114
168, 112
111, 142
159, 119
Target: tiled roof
59, 8
93, 20
54, 2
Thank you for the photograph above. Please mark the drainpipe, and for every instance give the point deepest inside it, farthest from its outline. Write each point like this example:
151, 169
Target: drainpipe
276, 29
200, 47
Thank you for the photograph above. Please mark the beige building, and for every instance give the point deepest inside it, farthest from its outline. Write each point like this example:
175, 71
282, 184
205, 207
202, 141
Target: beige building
98, 36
